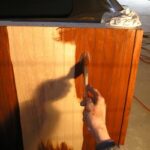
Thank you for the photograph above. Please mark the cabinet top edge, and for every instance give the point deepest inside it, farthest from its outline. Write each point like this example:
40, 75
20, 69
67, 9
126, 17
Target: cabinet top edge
60, 24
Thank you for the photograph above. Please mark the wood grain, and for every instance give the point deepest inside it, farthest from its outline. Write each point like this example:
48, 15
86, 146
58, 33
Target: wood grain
131, 85
108, 72
49, 97
43, 68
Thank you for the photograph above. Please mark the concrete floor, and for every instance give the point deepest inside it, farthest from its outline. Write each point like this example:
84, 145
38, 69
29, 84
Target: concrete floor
138, 133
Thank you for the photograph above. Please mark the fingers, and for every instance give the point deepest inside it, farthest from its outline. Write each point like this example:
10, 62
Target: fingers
95, 96
95, 93
88, 104
86, 115
83, 102
88, 109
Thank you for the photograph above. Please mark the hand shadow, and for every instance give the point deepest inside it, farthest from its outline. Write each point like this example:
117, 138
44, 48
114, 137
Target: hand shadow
34, 113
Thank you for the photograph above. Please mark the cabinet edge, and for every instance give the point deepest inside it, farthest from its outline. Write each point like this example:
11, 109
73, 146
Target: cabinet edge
131, 84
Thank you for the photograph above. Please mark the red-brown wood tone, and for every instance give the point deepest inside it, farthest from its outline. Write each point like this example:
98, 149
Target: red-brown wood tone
131, 85
111, 56
111, 52
10, 131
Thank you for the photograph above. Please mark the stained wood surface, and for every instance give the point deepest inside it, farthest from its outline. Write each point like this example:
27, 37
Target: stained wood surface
44, 61
109, 71
10, 131
131, 85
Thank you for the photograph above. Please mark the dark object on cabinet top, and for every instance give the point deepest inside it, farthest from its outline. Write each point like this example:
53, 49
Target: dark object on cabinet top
35, 8
57, 9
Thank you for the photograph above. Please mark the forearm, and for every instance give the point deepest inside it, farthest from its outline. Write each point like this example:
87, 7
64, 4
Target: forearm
104, 142
101, 134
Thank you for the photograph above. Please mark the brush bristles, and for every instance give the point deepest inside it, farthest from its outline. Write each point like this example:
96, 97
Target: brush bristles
86, 58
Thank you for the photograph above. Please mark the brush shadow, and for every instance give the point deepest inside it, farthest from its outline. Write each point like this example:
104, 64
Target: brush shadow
33, 111
39, 116
78, 37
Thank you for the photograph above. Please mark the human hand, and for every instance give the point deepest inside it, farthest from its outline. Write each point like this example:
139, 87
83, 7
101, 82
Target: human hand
94, 114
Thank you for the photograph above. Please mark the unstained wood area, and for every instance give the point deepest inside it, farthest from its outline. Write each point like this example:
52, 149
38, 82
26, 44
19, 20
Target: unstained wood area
49, 95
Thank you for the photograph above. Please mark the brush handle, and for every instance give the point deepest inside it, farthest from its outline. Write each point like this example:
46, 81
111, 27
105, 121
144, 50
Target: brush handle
85, 59
85, 78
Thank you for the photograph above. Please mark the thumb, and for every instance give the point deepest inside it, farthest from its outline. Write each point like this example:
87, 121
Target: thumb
85, 101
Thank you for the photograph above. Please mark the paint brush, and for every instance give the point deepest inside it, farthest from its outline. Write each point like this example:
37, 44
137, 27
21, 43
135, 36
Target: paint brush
81, 68
85, 58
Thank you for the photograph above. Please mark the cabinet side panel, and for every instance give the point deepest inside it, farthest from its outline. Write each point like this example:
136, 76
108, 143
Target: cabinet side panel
131, 85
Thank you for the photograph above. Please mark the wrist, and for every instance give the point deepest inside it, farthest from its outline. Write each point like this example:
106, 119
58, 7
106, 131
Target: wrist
101, 134
107, 144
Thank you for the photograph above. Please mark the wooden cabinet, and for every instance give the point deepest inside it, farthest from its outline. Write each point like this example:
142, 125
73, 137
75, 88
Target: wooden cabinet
43, 60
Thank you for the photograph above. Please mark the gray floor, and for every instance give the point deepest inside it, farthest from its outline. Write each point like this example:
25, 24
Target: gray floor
138, 133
